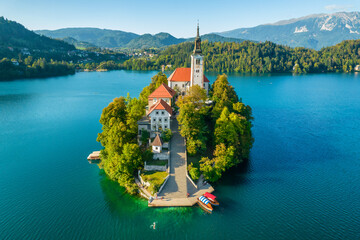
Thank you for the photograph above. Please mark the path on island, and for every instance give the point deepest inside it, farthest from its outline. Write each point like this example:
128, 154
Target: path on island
176, 186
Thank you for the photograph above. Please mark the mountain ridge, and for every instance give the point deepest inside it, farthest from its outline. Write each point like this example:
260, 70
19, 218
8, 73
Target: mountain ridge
312, 31
108, 38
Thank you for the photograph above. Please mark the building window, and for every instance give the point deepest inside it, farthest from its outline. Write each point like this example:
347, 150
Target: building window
197, 61
157, 113
175, 85
165, 127
159, 119
183, 85
154, 99
165, 119
156, 148
162, 112
154, 119
197, 71
204, 84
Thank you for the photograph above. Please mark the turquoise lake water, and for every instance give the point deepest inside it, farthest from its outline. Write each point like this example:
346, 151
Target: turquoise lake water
302, 181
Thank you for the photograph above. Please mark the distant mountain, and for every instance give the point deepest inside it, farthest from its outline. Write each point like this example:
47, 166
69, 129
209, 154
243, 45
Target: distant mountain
313, 31
98, 37
153, 41
78, 44
120, 39
217, 38
15, 35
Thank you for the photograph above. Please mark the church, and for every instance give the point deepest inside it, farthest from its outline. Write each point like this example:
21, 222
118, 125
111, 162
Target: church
183, 78
161, 100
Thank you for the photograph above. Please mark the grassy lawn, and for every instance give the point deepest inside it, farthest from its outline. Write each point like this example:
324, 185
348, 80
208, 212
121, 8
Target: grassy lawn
156, 179
157, 162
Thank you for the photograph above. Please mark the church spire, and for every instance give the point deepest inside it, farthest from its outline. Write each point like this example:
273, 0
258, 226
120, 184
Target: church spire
197, 35
197, 48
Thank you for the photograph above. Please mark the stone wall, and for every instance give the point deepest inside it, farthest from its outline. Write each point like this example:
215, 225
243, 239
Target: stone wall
162, 156
142, 181
155, 168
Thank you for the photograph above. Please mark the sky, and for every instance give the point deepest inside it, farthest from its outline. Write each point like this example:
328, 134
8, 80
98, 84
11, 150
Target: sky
178, 18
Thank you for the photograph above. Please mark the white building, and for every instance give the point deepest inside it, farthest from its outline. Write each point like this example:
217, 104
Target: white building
157, 144
160, 114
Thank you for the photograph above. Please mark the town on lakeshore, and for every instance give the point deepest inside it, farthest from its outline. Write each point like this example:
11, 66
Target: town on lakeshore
176, 122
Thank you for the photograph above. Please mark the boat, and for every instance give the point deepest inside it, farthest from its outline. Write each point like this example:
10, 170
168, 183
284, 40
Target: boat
204, 203
212, 199
94, 157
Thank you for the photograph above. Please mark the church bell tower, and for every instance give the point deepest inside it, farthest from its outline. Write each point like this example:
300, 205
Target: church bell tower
197, 63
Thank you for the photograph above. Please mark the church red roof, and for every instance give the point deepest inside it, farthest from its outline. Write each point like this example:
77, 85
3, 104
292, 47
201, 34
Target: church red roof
163, 91
183, 75
160, 105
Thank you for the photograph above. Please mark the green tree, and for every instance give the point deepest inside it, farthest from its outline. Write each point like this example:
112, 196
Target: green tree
156, 81
121, 155
192, 115
223, 94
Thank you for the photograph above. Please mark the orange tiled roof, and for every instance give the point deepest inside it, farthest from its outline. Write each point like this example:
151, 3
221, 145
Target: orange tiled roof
160, 105
163, 91
183, 75
157, 141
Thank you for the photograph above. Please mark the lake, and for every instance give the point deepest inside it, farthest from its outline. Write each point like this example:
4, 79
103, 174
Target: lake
301, 182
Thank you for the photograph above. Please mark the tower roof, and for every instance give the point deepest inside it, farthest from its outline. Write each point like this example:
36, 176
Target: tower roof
197, 47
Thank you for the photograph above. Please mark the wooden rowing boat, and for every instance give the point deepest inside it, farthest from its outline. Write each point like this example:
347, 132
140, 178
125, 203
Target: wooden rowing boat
204, 203
212, 199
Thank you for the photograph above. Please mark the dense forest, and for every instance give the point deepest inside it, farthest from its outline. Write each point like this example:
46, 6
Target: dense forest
221, 132
25, 54
33, 68
250, 57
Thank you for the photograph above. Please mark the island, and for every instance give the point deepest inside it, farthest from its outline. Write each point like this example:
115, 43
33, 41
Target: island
179, 136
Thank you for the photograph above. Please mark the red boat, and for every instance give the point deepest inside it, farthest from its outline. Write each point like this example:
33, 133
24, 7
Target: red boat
212, 199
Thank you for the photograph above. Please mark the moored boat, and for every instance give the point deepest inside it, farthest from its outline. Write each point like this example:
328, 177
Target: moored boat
212, 199
94, 157
204, 203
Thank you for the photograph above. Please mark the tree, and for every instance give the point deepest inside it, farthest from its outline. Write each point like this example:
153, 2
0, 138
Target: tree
145, 135
223, 94
156, 81
166, 135
121, 155
191, 119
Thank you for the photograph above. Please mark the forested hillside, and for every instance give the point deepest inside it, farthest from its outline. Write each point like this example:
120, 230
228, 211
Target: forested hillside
250, 57
15, 35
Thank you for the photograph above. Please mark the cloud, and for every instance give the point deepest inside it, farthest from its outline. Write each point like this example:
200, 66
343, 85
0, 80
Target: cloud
335, 7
